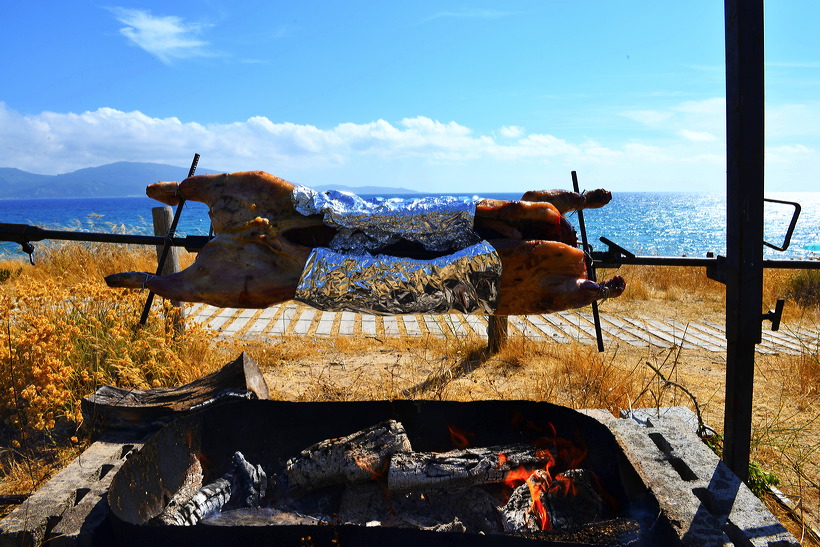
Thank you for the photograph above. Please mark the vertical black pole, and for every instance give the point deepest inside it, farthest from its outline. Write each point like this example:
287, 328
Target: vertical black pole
744, 221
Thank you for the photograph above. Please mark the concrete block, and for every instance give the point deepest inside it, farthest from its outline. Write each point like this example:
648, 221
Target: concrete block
70, 507
702, 499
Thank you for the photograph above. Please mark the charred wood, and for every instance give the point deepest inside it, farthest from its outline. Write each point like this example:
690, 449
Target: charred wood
244, 486
192, 483
208, 500
359, 457
114, 407
372, 504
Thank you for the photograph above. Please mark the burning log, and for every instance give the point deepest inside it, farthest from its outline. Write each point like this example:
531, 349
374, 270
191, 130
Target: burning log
569, 499
415, 471
245, 484
359, 457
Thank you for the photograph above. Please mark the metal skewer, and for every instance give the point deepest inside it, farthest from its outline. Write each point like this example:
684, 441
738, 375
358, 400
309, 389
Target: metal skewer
166, 247
590, 266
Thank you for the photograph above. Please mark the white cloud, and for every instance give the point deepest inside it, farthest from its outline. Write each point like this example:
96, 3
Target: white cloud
708, 107
793, 121
511, 131
693, 120
417, 152
165, 37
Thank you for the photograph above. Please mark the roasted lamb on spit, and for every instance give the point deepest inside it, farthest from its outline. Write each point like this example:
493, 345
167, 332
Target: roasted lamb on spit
515, 257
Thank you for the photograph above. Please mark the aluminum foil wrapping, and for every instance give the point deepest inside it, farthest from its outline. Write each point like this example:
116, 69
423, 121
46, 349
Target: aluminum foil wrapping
438, 223
465, 281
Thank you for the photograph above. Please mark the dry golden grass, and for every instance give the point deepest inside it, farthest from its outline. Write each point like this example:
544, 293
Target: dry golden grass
65, 333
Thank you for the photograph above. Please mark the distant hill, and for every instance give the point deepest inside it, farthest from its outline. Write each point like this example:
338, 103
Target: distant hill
14, 180
121, 179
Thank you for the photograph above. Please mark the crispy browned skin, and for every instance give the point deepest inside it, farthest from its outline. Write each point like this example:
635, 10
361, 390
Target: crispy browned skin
546, 276
249, 263
262, 244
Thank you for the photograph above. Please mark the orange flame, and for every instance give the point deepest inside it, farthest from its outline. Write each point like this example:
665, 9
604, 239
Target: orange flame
517, 476
538, 485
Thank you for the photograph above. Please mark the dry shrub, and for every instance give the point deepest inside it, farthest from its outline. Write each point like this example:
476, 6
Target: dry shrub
64, 334
804, 288
68, 262
589, 379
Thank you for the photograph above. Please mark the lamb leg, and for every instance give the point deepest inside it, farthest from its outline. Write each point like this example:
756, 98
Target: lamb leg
251, 262
546, 276
228, 272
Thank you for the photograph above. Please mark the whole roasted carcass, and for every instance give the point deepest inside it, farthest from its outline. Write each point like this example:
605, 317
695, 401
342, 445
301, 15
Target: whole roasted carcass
276, 241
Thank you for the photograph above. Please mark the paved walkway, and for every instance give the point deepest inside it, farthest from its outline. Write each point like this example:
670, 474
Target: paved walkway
293, 318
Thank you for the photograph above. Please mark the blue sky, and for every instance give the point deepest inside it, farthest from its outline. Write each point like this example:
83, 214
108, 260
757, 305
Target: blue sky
433, 96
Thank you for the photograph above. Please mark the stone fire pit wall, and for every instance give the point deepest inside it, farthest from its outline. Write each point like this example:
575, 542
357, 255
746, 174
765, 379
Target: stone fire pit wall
699, 497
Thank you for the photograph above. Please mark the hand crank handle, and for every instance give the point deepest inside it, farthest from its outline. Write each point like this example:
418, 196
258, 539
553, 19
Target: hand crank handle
775, 314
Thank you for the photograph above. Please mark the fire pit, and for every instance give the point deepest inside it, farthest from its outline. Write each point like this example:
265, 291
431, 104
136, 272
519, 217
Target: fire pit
269, 433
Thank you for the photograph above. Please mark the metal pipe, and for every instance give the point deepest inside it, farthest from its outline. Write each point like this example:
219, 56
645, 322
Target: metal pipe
606, 262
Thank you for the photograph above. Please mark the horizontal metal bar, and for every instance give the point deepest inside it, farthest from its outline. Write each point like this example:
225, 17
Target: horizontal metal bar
24, 233
604, 261
21, 233
610, 261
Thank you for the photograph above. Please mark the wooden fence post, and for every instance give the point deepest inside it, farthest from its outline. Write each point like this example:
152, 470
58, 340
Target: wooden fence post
496, 333
163, 217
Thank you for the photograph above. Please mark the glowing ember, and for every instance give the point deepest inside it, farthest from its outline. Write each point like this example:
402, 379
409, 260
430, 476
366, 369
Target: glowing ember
376, 475
459, 438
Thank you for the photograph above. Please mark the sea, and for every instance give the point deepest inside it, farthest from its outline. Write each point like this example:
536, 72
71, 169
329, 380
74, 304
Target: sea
644, 223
